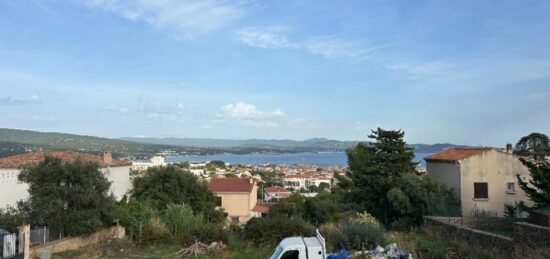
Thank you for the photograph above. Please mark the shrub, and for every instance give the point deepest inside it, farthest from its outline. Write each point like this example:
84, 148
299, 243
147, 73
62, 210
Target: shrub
10, 218
356, 236
273, 229
180, 219
133, 215
364, 218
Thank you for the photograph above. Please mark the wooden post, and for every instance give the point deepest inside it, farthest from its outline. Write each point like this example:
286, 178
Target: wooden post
25, 240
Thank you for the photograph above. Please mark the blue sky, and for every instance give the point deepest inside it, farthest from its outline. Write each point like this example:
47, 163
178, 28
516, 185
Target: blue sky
466, 72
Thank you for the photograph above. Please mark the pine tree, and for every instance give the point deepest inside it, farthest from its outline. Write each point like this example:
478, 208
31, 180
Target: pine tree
534, 149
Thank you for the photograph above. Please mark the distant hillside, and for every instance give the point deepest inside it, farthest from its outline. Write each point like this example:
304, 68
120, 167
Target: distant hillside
313, 145
14, 141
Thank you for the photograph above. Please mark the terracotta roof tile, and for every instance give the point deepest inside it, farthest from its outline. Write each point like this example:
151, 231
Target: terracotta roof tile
276, 189
455, 154
261, 209
231, 185
33, 158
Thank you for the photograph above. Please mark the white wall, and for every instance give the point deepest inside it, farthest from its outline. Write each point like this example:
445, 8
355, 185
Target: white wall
12, 191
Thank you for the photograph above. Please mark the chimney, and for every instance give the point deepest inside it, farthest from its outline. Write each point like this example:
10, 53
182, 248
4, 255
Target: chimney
509, 148
107, 157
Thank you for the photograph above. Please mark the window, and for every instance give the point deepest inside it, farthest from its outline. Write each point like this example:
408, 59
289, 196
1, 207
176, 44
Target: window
235, 219
218, 201
292, 254
481, 191
511, 187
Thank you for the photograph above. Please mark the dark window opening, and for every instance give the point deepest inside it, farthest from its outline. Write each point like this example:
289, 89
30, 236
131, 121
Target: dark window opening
218, 201
293, 254
481, 191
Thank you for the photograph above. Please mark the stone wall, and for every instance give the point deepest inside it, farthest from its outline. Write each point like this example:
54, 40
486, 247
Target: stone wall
468, 238
531, 241
73, 243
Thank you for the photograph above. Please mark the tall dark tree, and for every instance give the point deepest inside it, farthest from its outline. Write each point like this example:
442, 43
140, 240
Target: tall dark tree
534, 149
538, 188
377, 167
162, 186
534, 145
71, 198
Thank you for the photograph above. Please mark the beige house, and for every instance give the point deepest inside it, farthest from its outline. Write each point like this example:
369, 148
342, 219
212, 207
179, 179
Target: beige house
483, 178
237, 196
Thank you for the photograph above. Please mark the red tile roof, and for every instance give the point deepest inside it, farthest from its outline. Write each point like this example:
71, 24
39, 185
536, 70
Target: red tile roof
33, 158
231, 185
276, 189
261, 209
455, 154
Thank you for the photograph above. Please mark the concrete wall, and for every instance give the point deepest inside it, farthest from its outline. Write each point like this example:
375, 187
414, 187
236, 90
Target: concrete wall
497, 169
120, 180
445, 172
74, 243
11, 190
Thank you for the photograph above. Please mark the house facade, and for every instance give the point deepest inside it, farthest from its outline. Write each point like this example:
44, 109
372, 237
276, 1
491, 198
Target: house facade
484, 179
11, 190
237, 196
276, 193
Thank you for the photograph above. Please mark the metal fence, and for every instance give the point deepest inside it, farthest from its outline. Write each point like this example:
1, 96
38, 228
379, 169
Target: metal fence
43, 235
9, 242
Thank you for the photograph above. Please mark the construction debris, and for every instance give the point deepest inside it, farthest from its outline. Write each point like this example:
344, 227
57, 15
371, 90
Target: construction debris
199, 248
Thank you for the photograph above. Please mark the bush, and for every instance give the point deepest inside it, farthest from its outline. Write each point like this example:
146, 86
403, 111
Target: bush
10, 218
133, 215
180, 219
273, 229
361, 232
355, 236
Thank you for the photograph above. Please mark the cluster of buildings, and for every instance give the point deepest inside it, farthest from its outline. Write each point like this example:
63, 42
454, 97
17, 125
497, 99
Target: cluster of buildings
484, 179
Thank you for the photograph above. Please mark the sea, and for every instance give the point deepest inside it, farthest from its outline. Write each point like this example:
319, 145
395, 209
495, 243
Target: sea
321, 159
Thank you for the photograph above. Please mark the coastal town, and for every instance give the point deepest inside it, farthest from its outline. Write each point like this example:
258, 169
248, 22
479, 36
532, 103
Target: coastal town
233, 129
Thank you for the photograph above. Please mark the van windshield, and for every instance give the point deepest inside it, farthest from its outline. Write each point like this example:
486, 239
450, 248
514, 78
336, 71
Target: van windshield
276, 253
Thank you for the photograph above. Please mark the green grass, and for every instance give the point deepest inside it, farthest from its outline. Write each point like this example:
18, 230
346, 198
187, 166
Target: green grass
422, 245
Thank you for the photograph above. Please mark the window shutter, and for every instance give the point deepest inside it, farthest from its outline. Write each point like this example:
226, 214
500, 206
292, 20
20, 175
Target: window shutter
481, 191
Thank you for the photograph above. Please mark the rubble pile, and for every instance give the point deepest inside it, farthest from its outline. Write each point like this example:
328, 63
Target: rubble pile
199, 248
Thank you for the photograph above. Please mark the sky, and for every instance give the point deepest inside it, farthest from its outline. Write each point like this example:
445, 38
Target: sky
464, 72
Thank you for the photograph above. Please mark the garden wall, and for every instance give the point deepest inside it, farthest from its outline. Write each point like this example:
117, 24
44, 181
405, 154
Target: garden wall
529, 241
73, 243
469, 238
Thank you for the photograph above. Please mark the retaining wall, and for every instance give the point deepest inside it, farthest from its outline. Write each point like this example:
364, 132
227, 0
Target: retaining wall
73, 243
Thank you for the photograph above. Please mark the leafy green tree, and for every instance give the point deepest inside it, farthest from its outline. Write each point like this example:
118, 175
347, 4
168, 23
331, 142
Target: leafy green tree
376, 168
10, 218
163, 186
231, 175
534, 145
324, 186
71, 198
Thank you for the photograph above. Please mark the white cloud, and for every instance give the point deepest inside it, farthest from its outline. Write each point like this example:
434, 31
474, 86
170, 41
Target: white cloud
118, 109
8, 101
330, 47
185, 19
155, 109
421, 69
245, 111
265, 38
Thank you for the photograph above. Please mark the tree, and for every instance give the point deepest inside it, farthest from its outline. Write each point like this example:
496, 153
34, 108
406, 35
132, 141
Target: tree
376, 168
162, 186
538, 188
534, 145
324, 186
71, 198
534, 148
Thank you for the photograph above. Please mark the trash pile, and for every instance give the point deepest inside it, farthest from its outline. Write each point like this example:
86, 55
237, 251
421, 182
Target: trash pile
198, 249
390, 252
